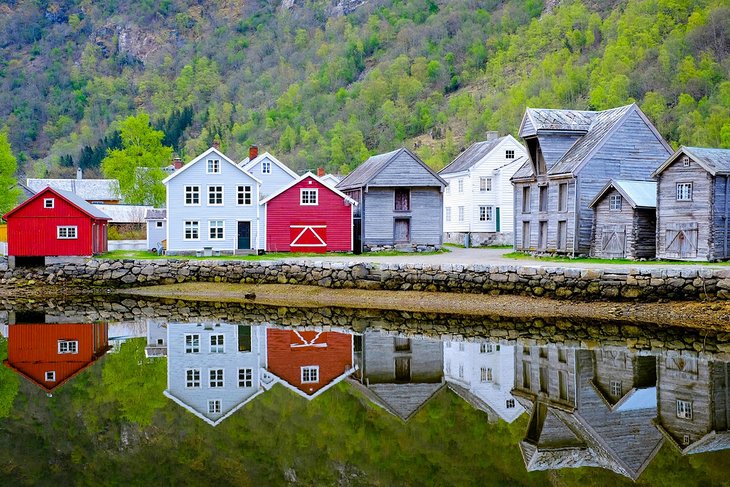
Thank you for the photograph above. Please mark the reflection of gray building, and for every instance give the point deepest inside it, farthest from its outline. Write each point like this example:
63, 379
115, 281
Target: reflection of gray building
399, 374
693, 409
573, 423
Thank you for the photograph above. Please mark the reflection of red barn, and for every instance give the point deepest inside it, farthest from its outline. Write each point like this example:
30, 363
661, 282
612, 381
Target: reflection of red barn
51, 354
308, 216
309, 362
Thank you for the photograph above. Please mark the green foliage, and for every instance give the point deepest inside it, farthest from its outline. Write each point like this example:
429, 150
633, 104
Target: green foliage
9, 382
8, 166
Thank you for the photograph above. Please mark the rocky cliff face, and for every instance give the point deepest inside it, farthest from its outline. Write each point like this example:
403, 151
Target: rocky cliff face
337, 8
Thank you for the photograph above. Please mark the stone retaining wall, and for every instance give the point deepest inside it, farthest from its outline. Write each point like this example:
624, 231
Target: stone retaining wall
639, 284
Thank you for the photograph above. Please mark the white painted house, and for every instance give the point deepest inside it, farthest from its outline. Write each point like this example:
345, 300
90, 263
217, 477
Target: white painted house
272, 173
483, 374
212, 207
478, 200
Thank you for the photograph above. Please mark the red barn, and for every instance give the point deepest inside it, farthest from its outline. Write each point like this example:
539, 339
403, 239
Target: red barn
51, 354
308, 216
309, 362
56, 223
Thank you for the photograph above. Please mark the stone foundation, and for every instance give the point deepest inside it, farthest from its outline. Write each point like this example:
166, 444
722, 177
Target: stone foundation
480, 239
402, 248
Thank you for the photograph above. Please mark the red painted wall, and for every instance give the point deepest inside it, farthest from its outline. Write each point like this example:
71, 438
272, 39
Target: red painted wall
286, 362
285, 210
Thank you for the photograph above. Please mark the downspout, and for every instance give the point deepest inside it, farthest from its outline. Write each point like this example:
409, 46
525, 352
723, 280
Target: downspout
727, 214
258, 217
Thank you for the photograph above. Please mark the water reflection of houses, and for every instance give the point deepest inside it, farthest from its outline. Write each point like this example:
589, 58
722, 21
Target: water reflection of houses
399, 374
694, 402
483, 373
587, 409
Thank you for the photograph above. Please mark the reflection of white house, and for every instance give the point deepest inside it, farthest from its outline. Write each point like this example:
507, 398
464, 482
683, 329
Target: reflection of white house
121, 332
214, 369
483, 374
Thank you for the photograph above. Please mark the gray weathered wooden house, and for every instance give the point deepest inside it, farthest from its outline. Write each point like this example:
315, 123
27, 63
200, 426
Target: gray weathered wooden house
624, 220
572, 155
400, 201
693, 205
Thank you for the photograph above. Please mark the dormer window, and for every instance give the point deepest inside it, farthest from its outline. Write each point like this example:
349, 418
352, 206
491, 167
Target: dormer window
214, 166
266, 167
614, 202
48, 202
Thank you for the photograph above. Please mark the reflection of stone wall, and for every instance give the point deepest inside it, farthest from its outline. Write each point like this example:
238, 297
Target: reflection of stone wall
641, 284
526, 330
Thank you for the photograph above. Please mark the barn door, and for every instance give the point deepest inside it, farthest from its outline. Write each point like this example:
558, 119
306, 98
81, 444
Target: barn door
681, 240
308, 238
613, 241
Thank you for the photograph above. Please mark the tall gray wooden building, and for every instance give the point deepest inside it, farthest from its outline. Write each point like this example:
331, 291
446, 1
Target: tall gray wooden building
572, 155
400, 200
693, 205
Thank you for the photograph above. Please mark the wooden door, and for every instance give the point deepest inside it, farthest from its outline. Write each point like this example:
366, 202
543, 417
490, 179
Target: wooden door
613, 241
402, 231
403, 369
244, 235
681, 241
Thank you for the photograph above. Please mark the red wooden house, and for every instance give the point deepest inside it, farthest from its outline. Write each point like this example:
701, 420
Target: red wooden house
56, 223
309, 362
308, 216
50, 354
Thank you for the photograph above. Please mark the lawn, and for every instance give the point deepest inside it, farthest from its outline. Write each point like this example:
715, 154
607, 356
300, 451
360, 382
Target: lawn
146, 255
594, 260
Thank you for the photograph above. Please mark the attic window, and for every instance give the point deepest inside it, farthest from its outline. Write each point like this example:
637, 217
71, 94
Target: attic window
214, 166
685, 161
509, 154
510, 403
266, 167
614, 202
48, 203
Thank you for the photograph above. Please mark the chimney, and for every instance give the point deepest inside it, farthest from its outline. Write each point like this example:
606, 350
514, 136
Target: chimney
320, 172
78, 173
253, 152
177, 163
217, 144
492, 135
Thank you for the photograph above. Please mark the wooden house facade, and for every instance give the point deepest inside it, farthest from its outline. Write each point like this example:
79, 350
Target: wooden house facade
400, 201
572, 155
624, 220
693, 205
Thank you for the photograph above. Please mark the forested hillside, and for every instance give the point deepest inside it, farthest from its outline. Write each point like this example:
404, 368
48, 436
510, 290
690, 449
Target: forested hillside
326, 83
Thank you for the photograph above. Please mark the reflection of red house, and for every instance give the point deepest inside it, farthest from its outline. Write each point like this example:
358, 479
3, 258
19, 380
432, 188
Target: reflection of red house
309, 362
56, 223
51, 354
308, 216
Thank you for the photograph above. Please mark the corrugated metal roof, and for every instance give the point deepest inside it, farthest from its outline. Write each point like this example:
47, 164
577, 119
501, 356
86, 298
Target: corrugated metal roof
367, 170
641, 193
77, 200
88, 189
475, 153
125, 213
716, 160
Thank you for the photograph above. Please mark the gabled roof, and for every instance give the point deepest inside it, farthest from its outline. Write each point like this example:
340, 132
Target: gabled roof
639, 194
202, 156
347, 373
125, 213
217, 421
81, 204
368, 170
475, 153
302, 178
400, 400
714, 161
547, 119
524, 173
156, 214
87, 189
248, 164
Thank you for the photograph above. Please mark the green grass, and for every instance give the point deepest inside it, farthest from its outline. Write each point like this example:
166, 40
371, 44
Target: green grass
594, 260
146, 255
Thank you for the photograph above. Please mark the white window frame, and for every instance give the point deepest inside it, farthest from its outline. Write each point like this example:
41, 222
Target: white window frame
211, 187
50, 376
193, 192
67, 232
214, 406
614, 202
194, 230
448, 213
485, 213
461, 371
309, 374
191, 347
684, 191
49, 203
684, 409
213, 166
483, 374
68, 347
509, 154
485, 184
461, 213
217, 343
685, 161
616, 389
265, 167
192, 378
309, 192
215, 225
244, 192
216, 378
461, 185
510, 403
245, 377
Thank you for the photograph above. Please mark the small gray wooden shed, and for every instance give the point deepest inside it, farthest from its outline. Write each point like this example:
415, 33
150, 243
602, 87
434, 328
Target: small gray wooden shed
624, 220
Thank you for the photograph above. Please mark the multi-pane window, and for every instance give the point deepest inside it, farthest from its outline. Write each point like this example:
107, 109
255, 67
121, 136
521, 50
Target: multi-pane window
525, 199
485, 183
614, 202
214, 406
308, 197
48, 203
192, 195
192, 343
461, 185
684, 191
215, 230
461, 371
192, 378
310, 374
510, 403
509, 154
563, 197
215, 378
485, 213
66, 232
483, 375
192, 230
216, 344
615, 388
215, 195
244, 195
51, 376
543, 201
448, 213
684, 409
214, 166
245, 377
266, 167
461, 213
402, 199
685, 161
68, 346
486, 348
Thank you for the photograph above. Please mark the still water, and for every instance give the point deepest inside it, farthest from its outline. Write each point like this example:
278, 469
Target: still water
124, 392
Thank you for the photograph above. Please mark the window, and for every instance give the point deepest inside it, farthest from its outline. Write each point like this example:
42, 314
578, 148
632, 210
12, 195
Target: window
510, 403
192, 378
244, 195
192, 343
562, 235
483, 375
684, 409
214, 166
485, 213
66, 233
215, 230
685, 161
461, 213
614, 202
509, 154
215, 195
489, 375
485, 183
448, 344
402, 344
543, 352
461, 346
68, 346
192, 230
266, 167
563, 197
461, 371
48, 203
245, 377
158, 224
526, 235
525, 199
402, 199
214, 406
461, 185
216, 344
615, 388
448, 366
192, 195
486, 348
561, 355
684, 191
51, 376
310, 374
544, 379
543, 198
308, 197
526, 375
215, 378
686, 440
543, 235
563, 385
448, 213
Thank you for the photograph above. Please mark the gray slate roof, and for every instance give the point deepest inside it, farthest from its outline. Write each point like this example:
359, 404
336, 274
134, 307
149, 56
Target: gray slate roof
475, 153
563, 120
92, 210
524, 172
367, 170
717, 161
156, 214
404, 400
639, 194
88, 189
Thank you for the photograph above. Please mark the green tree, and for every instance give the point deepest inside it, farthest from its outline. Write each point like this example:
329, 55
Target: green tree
8, 166
138, 164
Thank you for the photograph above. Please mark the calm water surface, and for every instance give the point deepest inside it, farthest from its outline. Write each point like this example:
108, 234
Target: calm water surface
123, 392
